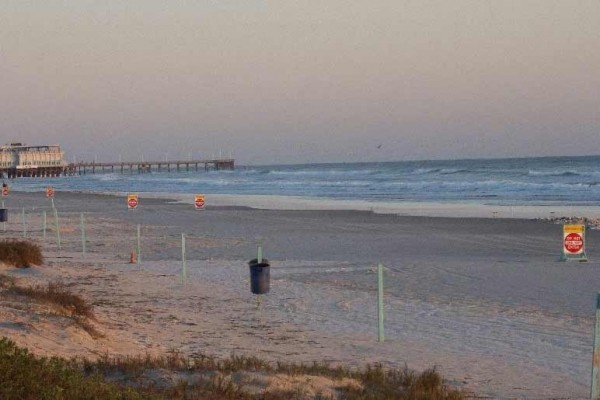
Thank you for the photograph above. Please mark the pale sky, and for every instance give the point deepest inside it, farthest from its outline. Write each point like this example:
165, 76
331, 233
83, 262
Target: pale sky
301, 81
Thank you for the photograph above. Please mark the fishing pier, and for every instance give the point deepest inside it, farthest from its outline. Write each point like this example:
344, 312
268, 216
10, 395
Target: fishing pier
141, 167
18, 160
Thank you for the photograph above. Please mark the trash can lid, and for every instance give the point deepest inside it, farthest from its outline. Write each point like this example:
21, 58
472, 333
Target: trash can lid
264, 263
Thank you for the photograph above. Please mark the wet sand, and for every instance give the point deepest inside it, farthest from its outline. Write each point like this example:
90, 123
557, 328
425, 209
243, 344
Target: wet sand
484, 299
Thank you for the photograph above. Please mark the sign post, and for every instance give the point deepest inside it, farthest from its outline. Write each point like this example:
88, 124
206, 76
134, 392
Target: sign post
4, 194
199, 202
132, 201
45, 219
3, 223
50, 194
573, 243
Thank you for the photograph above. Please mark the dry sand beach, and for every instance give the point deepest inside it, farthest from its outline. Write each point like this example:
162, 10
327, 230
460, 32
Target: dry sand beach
484, 299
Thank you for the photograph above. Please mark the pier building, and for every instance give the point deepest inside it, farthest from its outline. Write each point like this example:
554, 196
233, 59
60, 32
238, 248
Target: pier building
19, 160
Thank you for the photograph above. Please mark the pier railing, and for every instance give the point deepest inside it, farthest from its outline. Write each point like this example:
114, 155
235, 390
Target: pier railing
83, 168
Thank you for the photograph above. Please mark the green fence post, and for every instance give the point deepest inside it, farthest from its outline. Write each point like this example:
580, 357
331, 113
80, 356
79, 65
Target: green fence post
82, 234
57, 228
595, 395
45, 222
380, 336
24, 223
139, 247
183, 261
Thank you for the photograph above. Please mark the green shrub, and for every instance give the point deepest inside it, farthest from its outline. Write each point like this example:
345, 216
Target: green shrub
25, 376
7, 281
20, 253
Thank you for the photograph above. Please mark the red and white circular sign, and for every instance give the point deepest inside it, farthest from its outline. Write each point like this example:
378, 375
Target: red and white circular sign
574, 243
199, 201
132, 202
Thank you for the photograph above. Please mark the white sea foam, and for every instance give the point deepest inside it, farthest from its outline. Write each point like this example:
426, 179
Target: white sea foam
526, 182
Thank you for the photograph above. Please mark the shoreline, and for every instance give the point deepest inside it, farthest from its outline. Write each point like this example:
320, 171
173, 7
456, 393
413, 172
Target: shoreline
409, 209
399, 208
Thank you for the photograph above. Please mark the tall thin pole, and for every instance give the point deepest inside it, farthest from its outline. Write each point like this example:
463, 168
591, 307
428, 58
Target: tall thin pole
259, 257
595, 395
3, 223
24, 223
45, 218
183, 261
82, 234
57, 228
139, 247
381, 335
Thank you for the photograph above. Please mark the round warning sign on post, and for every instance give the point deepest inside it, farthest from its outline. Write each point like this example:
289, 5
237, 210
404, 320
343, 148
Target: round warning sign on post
132, 201
4, 189
574, 242
49, 192
199, 202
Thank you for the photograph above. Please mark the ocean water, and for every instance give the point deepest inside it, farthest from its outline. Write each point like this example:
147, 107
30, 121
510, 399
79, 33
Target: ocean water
522, 181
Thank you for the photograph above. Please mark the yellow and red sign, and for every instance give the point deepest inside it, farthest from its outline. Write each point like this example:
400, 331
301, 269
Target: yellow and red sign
199, 202
573, 239
574, 242
132, 201
49, 192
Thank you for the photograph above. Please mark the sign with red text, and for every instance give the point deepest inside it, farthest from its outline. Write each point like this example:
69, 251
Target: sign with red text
574, 243
132, 201
4, 189
49, 192
199, 202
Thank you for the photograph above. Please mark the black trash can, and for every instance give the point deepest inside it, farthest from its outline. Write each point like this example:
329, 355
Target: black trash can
260, 276
3, 215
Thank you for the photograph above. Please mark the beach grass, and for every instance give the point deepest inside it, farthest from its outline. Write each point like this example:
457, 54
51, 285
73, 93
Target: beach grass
56, 295
219, 379
20, 253
26, 376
